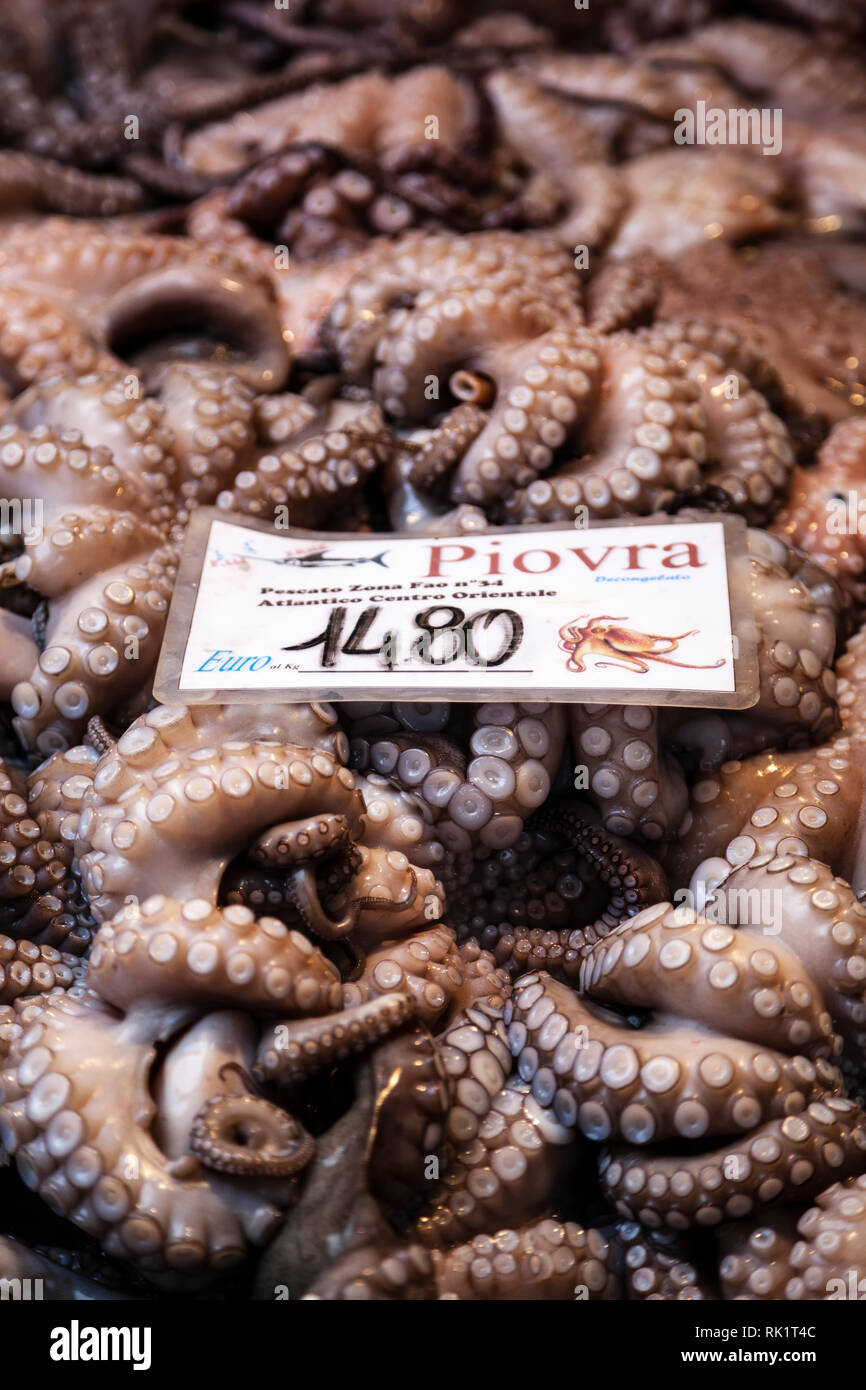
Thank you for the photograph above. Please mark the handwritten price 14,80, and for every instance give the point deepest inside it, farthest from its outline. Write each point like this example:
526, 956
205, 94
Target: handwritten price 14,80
438, 643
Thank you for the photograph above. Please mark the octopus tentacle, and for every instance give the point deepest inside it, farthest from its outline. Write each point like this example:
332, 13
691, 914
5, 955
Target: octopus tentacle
524, 903
783, 1160
756, 1260
210, 414
656, 1268
89, 660
98, 737
249, 1137
748, 446
816, 915
623, 293
600, 1074
813, 1260
830, 1244
643, 440
30, 181
37, 891
638, 786
295, 1050
535, 275
427, 966
482, 981
791, 306
805, 803
281, 416
98, 556
104, 437
381, 1271
548, 384
40, 338
517, 749
632, 877
409, 1118
27, 969
798, 630
155, 786
547, 1259
424, 460
511, 1169
302, 840
191, 950
315, 477
668, 958
519, 950
474, 1051
543, 130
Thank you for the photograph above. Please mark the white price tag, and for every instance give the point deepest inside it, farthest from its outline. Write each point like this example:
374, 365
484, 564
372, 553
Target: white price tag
649, 612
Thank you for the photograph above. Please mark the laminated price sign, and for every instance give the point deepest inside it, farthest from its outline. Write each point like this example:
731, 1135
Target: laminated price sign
651, 612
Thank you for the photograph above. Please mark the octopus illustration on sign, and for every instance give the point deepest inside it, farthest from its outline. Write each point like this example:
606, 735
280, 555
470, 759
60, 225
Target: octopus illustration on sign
632, 650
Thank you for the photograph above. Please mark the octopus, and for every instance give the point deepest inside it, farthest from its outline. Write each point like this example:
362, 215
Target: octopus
630, 650
90, 300
687, 421
99, 567
102, 90
610, 1079
408, 1000
224, 1128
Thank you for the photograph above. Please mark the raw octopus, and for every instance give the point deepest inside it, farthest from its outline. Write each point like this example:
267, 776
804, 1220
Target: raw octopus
377, 1000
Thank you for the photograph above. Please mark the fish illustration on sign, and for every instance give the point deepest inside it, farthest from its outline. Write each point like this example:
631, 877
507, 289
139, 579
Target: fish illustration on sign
320, 559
